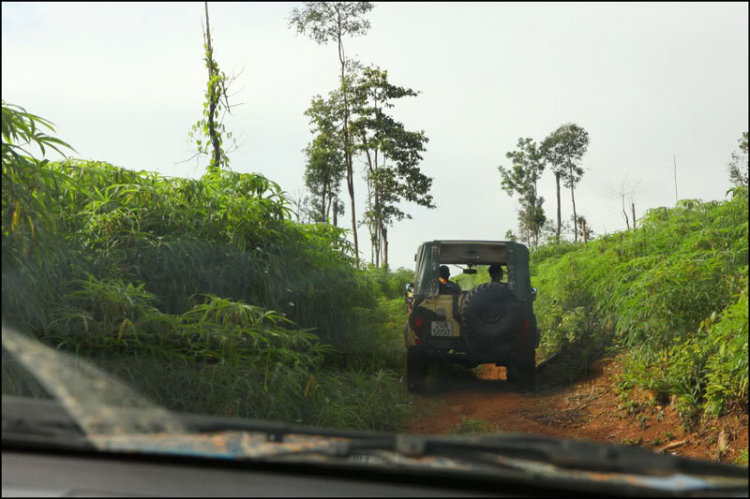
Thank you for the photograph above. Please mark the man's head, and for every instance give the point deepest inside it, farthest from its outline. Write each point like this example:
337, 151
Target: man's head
496, 272
445, 272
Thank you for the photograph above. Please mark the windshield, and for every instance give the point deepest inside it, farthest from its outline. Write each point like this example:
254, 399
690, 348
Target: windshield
469, 278
216, 209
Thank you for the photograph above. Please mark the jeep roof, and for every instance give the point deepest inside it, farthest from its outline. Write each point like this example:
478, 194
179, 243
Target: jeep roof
474, 252
431, 254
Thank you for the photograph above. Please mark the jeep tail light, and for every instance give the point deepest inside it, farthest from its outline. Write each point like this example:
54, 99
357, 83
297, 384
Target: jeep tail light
419, 322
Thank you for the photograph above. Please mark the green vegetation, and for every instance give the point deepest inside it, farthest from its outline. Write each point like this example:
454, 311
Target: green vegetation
564, 149
206, 297
210, 129
200, 293
671, 294
355, 121
328, 22
738, 166
473, 427
528, 163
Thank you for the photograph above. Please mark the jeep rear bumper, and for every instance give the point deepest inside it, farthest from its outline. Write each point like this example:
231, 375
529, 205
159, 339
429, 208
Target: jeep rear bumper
454, 349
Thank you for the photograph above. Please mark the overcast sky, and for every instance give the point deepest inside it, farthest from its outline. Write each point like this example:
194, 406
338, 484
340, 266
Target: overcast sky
124, 83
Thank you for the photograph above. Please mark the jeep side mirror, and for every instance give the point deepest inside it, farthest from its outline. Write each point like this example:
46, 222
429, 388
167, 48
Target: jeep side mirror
533, 294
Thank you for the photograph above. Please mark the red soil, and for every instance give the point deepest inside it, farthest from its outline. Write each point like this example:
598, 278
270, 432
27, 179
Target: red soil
586, 410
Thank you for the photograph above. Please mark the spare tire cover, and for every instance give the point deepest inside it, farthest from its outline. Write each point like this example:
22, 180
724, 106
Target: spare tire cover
490, 315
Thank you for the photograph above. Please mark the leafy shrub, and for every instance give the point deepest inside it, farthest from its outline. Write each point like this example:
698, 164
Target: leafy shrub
726, 383
218, 301
673, 293
390, 284
472, 427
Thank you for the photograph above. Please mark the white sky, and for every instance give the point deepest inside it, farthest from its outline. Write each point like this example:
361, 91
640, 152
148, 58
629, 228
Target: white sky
124, 83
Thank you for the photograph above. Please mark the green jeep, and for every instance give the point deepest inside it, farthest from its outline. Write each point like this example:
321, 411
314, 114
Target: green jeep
489, 323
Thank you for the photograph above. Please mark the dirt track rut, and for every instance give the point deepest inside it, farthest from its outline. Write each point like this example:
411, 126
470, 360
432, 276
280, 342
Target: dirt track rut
587, 410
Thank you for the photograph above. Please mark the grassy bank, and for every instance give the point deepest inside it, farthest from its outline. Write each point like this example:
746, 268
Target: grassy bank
672, 294
203, 294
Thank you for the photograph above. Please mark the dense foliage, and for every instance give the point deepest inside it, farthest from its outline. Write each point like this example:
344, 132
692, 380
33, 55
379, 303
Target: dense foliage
201, 293
206, 297
672, 294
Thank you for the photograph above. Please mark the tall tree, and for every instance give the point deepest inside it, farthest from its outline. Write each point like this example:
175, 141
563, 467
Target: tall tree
564, 149
402, 182
738, 166
391, 152
324, 172
528, 163
332, 21
559, 171
210, 127
326, 165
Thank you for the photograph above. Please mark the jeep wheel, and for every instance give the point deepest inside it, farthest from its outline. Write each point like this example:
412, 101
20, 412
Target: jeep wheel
416, 370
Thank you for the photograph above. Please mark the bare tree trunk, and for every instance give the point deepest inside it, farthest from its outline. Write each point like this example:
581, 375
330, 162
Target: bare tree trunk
378, 227
583, 232
624, 213
335, 211
328, 205
375, 250
347, 149
385, 247
559, 216
323, 205
575, 215
632, 206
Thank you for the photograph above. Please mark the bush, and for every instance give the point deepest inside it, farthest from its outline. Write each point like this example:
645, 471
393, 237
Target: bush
202, 293
673, 293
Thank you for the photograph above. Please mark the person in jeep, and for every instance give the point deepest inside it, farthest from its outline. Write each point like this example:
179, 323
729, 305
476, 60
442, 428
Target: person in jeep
496, 273
488, 323
447, 287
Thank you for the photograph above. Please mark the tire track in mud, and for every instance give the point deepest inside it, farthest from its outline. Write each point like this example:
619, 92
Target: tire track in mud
491, 398
585, 410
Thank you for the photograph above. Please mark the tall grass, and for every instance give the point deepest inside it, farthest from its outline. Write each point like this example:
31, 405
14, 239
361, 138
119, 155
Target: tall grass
672, 293
202, 293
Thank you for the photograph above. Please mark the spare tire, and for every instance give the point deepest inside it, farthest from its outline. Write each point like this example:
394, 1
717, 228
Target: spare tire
490, 315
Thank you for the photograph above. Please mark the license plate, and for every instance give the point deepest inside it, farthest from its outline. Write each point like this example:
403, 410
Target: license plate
441, 328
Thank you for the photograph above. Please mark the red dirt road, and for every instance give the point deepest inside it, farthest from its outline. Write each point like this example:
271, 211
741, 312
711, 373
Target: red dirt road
587, 410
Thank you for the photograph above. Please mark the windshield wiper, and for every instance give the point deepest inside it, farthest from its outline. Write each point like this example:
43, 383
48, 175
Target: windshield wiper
274, 431
570, 454
565, 454
45, 428
492, 450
